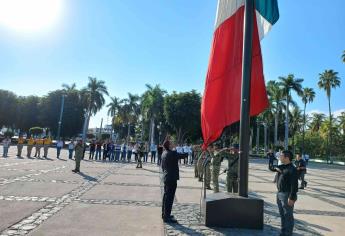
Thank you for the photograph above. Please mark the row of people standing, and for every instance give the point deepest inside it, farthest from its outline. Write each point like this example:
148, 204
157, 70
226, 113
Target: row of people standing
115, 151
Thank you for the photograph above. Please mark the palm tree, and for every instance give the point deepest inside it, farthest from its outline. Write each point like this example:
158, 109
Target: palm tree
94, 97
132, 110
316, 121
289, 83
327, 80
152, 105
296, 123
113, 106
308, 96
343, 56
341, 119
276, 95
69, 88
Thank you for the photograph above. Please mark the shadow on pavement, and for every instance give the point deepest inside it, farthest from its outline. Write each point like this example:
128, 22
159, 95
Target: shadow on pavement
87, 177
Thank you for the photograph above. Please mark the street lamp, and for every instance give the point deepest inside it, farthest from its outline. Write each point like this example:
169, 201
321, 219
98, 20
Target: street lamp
159, 127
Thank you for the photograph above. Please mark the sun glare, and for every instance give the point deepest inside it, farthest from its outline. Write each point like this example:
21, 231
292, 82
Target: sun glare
30, 15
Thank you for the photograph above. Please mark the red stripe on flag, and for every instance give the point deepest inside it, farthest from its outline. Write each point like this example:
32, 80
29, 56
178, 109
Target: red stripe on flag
221, 100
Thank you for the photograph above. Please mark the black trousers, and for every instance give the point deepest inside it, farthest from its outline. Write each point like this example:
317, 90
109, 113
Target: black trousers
168, 198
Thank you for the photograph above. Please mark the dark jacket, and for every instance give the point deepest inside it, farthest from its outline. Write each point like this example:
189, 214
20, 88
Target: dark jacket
170, 166
301, 166
287, 180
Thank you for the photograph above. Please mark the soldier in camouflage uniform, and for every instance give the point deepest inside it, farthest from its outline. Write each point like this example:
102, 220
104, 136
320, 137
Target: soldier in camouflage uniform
196, 153
79, 151
217, 159
141, 153
207, 166
232, 171
201, 159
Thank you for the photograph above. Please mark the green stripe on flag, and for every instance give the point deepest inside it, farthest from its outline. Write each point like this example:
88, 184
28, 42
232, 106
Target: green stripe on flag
268, 9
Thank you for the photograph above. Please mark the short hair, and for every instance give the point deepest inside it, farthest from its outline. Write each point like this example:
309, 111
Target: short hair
166, 145
288, 154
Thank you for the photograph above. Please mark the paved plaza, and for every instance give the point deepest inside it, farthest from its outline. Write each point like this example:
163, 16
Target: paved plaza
43, 197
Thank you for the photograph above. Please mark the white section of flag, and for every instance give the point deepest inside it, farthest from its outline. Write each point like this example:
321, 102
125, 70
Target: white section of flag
225, 9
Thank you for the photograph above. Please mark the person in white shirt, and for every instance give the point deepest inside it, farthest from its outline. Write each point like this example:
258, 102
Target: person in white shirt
135, 151
6, 145
59, 146
129, 152
153, 149
70, 149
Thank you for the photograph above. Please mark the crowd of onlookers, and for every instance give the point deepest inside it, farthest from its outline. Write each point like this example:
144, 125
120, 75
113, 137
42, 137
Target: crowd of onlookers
102, 150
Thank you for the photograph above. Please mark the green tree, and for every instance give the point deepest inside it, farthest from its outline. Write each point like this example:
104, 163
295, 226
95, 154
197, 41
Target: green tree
327, 81
152, 103
182, 113
316, 122
276, 95
295, 124
341, 120
289, 83
8, 108
343, 56
308, 96
94, 96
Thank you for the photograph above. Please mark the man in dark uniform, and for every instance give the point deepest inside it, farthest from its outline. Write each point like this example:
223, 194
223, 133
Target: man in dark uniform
301, 166
160, 152
287, 185
170, 176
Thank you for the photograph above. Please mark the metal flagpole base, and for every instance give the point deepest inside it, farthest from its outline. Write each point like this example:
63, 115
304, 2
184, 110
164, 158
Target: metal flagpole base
232, 211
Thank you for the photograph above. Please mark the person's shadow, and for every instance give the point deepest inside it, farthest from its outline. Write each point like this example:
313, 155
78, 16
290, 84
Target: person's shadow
88, 177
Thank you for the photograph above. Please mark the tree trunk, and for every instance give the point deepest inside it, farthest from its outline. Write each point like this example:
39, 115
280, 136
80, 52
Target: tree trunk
286, 140
128, 132
303, 134
257, 136
276, 120
330, 130
152, 131
265, 137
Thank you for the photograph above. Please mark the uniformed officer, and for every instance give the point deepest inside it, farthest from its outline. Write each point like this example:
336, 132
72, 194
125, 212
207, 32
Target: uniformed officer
20, 146
217, 159
38, 146
207, 166
141, 150
79, 151
46, 144
31, 143
200, 168
232, 170
196, 153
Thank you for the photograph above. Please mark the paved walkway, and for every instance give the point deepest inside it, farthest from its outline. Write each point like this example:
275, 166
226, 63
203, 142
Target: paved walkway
43, 197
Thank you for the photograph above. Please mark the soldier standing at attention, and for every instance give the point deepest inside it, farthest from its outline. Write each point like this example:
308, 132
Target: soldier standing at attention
20, 145
79, 150
201, 160
39, 144
217, 159
196, 153
207, 166
31, 143
46, 144
232, 170
141, 150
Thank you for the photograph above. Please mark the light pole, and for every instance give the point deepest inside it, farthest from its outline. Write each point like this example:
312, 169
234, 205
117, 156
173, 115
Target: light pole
60, 119
159, 127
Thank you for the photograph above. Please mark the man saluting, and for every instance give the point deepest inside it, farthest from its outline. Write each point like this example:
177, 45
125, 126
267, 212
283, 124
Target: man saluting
170, 169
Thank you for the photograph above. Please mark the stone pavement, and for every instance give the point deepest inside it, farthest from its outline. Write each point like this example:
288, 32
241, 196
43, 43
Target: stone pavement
43, 197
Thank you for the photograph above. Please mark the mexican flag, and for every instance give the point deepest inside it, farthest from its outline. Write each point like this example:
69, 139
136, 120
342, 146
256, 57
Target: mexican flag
222, 95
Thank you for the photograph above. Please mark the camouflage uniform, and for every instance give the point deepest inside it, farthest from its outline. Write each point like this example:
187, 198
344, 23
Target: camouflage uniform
200, 167
197, 151
208, 170
216, 163
79, 151
232, 174
141, 150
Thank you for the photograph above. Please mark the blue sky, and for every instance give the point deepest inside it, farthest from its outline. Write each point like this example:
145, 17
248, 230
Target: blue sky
131, 43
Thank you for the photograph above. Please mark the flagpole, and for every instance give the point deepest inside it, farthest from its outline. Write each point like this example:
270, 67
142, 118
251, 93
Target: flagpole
245, 97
